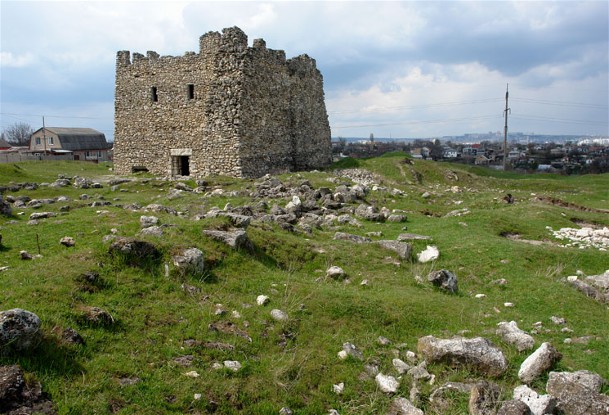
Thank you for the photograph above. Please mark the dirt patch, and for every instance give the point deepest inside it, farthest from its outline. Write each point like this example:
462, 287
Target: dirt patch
557, 202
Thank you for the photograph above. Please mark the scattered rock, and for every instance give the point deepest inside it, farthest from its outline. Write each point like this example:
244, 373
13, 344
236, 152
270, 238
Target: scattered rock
190, 261
25, 255
538, 404
431, 253
228, 327
134, 252
538, 362
96, 316
233, 365
402, 406
19, 330
338, 388
477, 353
19, 396
42, 215
444, 279
351, 238
401, 366
412, 237
335, 272
387, 384
484, 398
70, 336
404, 250
279, 315
262, 300
440, 399
514, 407
578, 393
148, 221
511, 334
236, 239
156, 231
67, 241
559, 321
351, 350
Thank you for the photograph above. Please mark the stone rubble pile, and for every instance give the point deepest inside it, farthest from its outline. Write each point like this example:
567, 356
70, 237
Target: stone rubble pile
584, 237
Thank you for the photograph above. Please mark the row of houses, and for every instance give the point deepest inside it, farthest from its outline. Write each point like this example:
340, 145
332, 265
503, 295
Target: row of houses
60, 143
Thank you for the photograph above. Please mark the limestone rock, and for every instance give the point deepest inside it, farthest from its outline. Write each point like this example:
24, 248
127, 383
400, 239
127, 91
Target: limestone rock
369, 213
404, 250
190, 261
431, 253
335, 272
233, 365
477, 353
538, 404
352, 238
484, 398
67, 241
510, 333
401, 366
19, 330
351, 350
538, 362
134, 252
402, 406
444, 279
279, 315
387, 384
5, 207
440, 398
21, 397
578, 393
152, 231
514, 407
262, 300
96, 316
148, 221
236, 239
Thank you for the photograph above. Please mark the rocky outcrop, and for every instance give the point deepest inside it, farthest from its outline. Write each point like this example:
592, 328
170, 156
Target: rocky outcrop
190, 261
477, 353
236, 239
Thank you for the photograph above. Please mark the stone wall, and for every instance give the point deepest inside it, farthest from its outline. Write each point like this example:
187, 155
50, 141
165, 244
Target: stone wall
228, 110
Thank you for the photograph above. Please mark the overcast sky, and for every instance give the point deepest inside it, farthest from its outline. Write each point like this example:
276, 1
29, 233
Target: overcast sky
395, 69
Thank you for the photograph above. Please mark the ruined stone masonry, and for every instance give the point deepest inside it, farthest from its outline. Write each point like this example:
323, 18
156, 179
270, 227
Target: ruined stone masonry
228, 110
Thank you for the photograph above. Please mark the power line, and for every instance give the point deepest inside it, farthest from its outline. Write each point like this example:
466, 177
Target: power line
411, 107
563, 120
441, 121
560, 103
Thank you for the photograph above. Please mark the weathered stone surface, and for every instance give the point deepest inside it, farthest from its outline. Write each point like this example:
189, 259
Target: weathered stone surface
67, 241
440, 398
42, 215
154, 230
19, 330
236, 239
335, 272
444, 279
484, 398
578, 393
18, 397
477, 353
369, 213
96, 316
229, 109
387, 384
148, 221
402, 406
431, 253
279, 315
510, 333
514, 407
351, 238
540, 361
190, 261
404, 250
5, 207
351, 350
538, 404
133, 251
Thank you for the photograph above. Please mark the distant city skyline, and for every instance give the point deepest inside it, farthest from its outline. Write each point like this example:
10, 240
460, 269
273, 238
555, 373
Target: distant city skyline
395, 68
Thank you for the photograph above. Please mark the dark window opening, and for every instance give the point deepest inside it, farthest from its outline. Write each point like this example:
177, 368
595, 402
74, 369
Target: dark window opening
138, 169
180, 166
191, 91
153, 94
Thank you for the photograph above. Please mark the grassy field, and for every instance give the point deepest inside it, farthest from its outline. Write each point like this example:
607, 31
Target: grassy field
130, 367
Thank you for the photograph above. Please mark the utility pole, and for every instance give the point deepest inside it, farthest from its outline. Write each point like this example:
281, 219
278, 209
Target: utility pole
505, 128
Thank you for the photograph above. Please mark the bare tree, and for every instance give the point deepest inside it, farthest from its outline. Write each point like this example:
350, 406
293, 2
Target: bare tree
18, 134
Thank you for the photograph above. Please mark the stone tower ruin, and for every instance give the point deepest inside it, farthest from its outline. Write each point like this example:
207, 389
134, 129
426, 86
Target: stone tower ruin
228, 110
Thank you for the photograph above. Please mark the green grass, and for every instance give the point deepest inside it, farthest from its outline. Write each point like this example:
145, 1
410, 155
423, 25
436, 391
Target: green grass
294, 363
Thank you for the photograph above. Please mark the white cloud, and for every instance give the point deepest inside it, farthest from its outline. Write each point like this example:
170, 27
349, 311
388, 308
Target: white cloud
9, 60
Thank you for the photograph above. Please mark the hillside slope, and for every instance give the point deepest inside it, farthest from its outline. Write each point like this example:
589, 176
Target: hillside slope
164, 348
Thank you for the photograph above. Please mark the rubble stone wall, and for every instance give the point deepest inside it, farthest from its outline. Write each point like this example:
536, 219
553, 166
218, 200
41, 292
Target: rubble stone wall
228, 110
